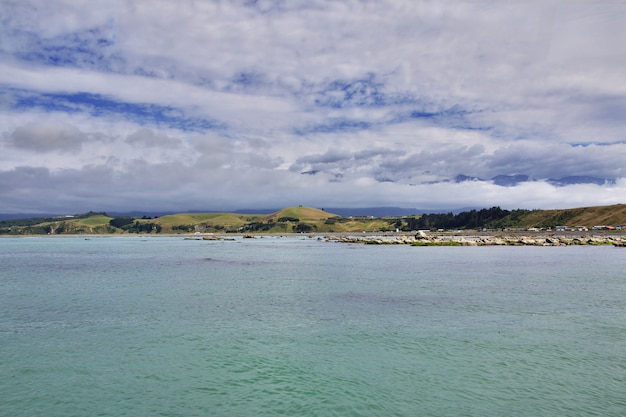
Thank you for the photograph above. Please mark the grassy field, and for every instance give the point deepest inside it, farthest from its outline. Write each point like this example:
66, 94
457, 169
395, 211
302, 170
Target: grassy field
99, 220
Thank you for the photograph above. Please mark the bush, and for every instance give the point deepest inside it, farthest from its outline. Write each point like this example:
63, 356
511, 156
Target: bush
288, 219
303, 228
184, 227
143, 227
120, 222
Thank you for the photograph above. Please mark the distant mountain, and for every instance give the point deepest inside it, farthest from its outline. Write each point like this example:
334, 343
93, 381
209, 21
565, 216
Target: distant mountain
340, 211
139, 214
509, 180
513, 180
391, 211
463, 178
364, 211
17, 216
359, 211
257, 210
373, 211
561, 182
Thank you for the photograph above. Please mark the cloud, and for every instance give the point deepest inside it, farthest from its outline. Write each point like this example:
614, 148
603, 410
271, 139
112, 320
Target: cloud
225, 104
150, 139
48, 137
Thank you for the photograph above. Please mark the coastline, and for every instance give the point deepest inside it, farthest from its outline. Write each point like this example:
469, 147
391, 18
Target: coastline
420, 238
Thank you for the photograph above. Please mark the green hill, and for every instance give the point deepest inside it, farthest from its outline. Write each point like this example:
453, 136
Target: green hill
302, 213
204, 222
311, 220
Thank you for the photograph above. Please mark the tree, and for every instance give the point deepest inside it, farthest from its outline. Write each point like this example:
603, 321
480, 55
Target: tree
120, 222
303, 228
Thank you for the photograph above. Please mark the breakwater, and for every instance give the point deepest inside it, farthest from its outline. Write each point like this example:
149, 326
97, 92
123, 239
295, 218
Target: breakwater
423, 238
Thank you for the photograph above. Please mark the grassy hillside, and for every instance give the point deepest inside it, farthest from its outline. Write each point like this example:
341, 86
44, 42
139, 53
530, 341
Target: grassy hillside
289, 220
94, 221
585, 216
204, 222
302, 213
293, 220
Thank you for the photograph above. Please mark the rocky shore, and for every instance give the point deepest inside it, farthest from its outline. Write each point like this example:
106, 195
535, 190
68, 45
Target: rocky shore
423, 238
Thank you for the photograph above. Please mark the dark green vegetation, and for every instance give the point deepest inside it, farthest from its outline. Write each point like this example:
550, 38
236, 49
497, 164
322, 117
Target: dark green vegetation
311, 220
497, 218
493, 218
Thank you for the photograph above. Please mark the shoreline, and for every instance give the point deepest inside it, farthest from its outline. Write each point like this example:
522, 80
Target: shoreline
420, 238
423, 238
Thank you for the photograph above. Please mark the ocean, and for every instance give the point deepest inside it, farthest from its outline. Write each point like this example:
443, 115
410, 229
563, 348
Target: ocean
296, 326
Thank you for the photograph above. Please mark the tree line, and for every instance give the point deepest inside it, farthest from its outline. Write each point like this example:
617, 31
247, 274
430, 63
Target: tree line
491, 218
131, 225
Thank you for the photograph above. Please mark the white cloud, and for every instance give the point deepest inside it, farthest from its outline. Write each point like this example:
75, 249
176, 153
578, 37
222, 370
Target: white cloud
148, 138
48, 137
384, 100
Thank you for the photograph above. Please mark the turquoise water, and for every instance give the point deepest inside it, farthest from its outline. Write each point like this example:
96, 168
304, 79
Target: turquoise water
162, 326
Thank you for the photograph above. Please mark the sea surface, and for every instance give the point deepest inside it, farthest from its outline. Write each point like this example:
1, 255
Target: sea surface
295, 326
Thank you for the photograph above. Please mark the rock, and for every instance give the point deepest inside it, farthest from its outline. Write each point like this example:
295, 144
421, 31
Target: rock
421, 235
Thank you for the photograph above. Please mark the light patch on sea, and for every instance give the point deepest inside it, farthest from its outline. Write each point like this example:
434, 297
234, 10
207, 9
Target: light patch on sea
294, 326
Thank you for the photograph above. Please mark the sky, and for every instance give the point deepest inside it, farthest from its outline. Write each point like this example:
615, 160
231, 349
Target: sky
224, 105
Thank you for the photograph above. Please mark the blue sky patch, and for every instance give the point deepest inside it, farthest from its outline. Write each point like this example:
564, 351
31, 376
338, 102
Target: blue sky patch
359, 93
99, 106
454, 117
89, 48
335, 125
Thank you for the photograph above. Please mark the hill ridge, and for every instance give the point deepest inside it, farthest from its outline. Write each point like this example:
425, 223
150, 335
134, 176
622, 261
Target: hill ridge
299, 219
